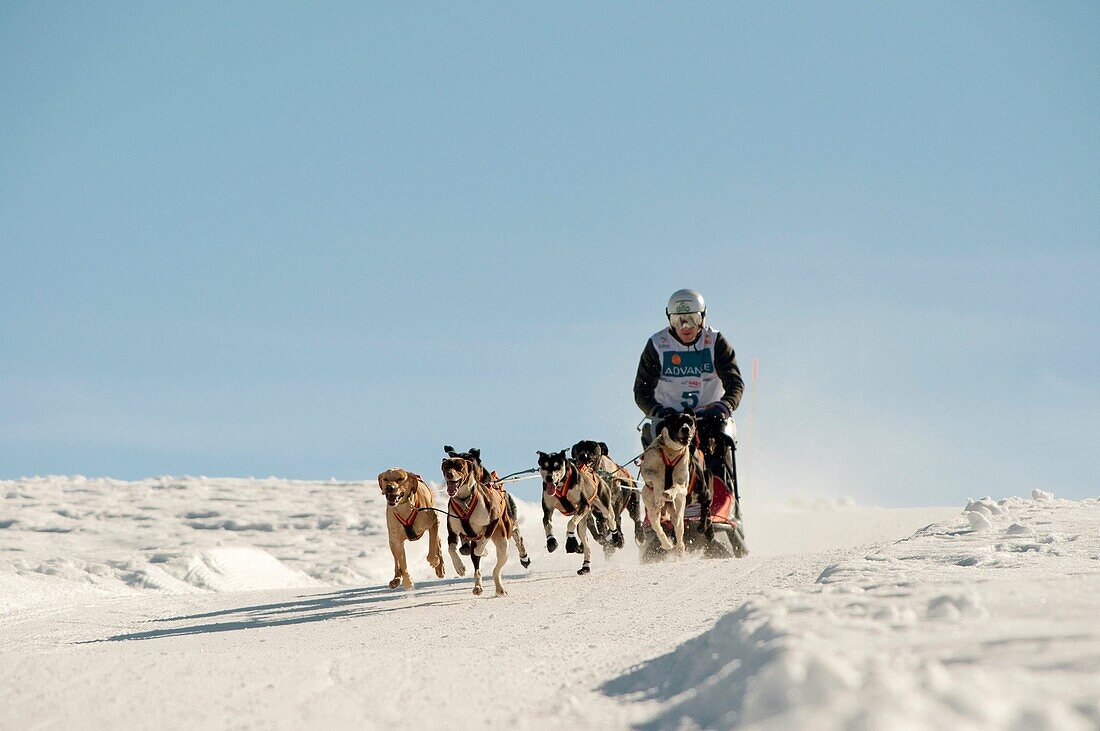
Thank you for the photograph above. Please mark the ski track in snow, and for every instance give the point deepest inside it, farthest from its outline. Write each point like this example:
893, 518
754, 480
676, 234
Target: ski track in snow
195, 602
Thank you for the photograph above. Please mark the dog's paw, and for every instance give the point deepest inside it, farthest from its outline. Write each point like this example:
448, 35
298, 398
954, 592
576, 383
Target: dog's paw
477, 590
524, 561
583, 571
551, 544
617, 539
395, 582
409, 586
572, 545
460, 570
440, 571
501, 592
639, 536
464, 549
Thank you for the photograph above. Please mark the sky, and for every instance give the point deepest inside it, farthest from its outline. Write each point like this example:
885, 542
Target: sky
320, 240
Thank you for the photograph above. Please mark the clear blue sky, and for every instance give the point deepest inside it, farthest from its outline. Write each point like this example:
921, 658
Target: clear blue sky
315, 240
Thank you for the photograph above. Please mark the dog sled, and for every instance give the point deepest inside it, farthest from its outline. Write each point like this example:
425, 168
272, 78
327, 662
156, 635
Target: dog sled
717, 439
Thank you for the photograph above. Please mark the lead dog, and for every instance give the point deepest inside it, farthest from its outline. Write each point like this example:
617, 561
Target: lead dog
408, 517
480, 513
574, 493
625, 494
670, 468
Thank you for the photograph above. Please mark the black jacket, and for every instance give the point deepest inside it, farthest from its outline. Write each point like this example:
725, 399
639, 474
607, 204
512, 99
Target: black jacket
649, 372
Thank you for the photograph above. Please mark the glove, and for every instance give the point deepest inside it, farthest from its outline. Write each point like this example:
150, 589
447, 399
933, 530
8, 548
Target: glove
719, 409
663, 412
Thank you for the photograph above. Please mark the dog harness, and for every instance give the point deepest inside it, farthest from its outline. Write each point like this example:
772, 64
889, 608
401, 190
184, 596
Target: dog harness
410, 532
565, 505
463, 515
693, 470
414, 503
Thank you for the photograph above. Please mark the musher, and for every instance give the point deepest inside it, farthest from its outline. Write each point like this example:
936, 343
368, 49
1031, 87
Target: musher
690, 364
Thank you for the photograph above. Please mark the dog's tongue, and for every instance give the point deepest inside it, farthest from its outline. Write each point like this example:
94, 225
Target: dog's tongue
452, 488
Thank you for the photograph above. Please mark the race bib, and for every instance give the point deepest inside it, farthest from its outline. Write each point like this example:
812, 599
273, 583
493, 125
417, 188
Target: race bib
688, 373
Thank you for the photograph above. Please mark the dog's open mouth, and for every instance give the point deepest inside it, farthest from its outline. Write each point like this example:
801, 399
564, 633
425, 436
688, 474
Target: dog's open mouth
551, 483
452, 487
391, 497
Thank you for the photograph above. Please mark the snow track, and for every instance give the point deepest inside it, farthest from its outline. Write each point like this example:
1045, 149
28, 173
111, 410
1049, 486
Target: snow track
372, 656
117, 623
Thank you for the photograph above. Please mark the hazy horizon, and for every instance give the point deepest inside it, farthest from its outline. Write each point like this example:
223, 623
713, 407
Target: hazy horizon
320, 242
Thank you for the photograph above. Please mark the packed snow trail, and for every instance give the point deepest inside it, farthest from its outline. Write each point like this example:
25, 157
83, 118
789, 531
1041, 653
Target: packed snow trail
107, 621
372, 656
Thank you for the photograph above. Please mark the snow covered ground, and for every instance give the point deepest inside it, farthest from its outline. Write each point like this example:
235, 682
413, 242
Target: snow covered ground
241, 603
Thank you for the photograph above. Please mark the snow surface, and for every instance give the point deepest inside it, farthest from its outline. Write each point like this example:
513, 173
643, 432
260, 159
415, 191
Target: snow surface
230, 603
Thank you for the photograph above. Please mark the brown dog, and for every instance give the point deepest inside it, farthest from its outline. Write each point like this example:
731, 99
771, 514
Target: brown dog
408, 517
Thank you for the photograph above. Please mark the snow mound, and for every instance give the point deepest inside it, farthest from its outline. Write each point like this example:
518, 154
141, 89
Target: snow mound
243, 569
978, 521
1042, 496
946, 629
120, 536
985, 506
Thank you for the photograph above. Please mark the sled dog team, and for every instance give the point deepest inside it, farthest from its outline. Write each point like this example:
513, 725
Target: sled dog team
588, 487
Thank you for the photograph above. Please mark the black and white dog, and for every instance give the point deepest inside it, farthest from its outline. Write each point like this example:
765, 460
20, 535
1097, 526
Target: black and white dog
675, 474
575, 493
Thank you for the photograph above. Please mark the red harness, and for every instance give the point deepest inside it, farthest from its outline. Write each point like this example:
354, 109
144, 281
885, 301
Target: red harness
565, 505
411, 534
410, 520
668, 472
674, 462
465, 515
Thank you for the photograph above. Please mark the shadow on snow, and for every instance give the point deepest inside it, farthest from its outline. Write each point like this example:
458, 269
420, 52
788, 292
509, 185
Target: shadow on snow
342, 604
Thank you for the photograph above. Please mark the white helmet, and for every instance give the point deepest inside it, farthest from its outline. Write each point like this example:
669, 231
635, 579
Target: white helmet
685, 302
